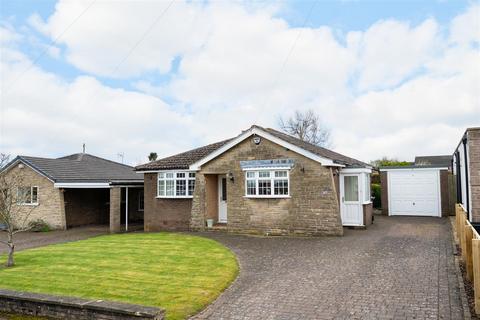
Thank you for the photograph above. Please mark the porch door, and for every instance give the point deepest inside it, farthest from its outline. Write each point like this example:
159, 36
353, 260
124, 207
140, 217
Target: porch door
222, 198
351, 208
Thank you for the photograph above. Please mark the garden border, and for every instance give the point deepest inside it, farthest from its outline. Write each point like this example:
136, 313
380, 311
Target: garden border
61, 307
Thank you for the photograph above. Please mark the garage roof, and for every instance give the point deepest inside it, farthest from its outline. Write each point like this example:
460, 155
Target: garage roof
80, 167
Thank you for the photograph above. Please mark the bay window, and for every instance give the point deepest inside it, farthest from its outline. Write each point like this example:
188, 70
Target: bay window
172, 184
267, 183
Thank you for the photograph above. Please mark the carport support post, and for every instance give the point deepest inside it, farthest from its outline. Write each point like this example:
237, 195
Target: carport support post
115, 207
126, 208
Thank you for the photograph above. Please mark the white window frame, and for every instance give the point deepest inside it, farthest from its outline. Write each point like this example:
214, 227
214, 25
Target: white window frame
174, 179
272, 182
31, 194
363, 173
367, 196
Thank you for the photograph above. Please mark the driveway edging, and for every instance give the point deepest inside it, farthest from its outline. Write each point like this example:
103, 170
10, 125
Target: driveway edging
461, 285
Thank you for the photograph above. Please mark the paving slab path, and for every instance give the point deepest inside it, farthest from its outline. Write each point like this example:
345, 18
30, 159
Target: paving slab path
399, 268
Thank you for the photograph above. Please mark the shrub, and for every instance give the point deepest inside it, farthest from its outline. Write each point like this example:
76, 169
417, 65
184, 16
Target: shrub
39, 226
376, 193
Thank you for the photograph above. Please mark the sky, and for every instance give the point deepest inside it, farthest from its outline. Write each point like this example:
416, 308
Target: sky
387, 78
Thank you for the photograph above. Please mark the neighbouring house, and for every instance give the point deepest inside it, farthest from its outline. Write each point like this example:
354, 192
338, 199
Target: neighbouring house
421, 189
79, 189
466, 168
261, 181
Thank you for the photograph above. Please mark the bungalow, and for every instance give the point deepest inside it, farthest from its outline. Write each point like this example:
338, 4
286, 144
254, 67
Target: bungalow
79, 189
261, 181
466, 168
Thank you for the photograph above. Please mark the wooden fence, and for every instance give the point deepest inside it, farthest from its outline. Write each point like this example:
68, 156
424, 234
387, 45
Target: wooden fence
469, 242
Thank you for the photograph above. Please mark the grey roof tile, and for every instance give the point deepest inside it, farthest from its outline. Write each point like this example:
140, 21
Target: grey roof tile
185, 159
82, 167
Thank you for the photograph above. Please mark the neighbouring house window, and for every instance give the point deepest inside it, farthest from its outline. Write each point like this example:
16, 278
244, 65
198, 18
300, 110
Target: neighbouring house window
267, 183
351, 188
367, 187
176, 184
27, 195
140, 201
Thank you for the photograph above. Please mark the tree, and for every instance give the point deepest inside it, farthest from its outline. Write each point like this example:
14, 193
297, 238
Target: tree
152, 156
307, 127
14, 218
386, 162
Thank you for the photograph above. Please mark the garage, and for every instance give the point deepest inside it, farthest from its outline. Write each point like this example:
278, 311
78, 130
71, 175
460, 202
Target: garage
416, 190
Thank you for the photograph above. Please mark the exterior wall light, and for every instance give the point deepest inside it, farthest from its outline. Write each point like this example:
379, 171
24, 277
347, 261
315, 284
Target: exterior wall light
230, 176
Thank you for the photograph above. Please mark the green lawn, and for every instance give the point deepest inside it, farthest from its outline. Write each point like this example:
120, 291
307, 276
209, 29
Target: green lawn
180, 273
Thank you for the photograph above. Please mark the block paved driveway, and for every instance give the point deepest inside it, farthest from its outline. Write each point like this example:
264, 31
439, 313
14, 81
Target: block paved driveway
399, 268
27, 240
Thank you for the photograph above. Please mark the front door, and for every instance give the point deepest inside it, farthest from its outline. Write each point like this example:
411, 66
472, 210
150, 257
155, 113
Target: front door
350, 204
222, 198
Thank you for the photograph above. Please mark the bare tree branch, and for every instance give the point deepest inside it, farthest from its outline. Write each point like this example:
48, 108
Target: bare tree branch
307, 127
14, 215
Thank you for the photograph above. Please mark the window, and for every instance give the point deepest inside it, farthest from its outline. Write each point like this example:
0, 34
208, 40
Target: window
351, 188
176, 184
268, 184
367, 187
140, 201
27, 195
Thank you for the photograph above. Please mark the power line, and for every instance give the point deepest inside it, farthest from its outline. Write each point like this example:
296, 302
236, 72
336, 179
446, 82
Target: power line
51, 44
132, 49
294, 44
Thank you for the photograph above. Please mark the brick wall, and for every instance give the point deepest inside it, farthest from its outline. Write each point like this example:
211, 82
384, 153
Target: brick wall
444, 193
164, 214
312, 208
368, 214
57, 307
384, 191
474, 166
86, 206
50, 200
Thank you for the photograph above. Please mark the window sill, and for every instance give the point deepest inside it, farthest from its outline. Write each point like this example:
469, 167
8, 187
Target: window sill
367, 202
28, 204
174, 197
267, 197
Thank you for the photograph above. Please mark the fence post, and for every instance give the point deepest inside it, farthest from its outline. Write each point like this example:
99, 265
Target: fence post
457, 223
476, 273
468, 251
463, 243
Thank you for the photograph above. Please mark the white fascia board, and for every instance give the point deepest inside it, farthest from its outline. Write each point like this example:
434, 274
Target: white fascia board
414, 169
82, 185
355, 170
323, 161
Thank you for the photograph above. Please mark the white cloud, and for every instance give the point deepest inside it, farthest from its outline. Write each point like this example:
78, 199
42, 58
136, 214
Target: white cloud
394, 89
465, 28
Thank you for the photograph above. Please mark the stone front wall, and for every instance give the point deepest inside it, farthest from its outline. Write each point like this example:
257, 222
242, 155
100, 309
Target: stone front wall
312, 209
384, 191
474, 165
50, 200
164, 214
57, 307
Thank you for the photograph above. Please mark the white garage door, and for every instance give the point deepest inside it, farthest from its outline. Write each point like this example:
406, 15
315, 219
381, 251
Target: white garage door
414, 192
